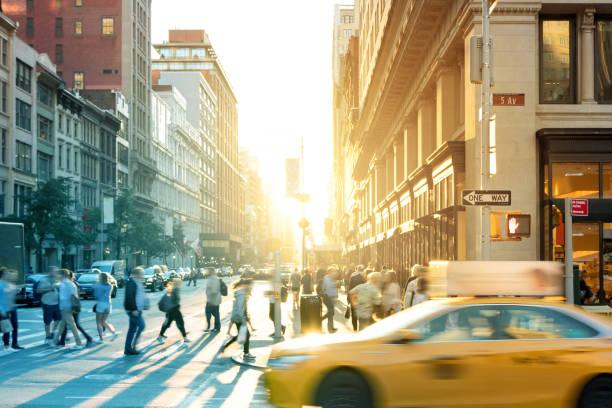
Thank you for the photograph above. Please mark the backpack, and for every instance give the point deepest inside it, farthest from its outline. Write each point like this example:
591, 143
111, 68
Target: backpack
222, 288
37, 296
165, 303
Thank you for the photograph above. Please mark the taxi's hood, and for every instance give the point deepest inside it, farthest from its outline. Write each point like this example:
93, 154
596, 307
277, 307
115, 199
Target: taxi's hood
310, 343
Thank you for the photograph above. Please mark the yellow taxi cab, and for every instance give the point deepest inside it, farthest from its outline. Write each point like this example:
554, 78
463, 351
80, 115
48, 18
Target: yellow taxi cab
494, 351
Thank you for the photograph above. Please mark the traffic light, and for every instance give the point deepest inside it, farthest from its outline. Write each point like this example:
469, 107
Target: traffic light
519, 225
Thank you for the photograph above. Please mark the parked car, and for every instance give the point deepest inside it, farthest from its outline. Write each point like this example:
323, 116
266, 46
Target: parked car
28, 294
115, 268
181, 273
171, 274
86, 283
154, 278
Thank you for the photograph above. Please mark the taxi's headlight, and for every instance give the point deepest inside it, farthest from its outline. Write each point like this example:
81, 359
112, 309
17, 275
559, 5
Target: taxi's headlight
288, 362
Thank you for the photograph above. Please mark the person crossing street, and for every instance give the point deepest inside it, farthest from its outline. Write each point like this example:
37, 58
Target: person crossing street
135, 303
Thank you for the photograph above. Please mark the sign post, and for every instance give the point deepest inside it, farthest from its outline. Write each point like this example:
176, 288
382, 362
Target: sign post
485, 210
569, 253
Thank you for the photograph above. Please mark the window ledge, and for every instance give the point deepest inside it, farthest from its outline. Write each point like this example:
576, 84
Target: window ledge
573, 109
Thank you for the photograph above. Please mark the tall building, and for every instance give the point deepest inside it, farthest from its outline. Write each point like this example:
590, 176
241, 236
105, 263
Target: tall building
418, 128
257, 230
345, 41
191, 50
7, 83
99, 44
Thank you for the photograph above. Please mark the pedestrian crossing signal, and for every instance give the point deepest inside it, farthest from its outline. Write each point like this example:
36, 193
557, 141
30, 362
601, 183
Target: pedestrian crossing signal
519, 225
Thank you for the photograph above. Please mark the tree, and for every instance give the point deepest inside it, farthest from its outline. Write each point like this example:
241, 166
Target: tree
48, 215
124, 213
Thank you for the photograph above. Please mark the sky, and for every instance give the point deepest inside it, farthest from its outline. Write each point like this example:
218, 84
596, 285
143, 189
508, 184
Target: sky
277, 55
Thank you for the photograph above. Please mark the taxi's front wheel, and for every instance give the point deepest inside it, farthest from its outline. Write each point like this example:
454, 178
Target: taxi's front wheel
344, 389
597, 393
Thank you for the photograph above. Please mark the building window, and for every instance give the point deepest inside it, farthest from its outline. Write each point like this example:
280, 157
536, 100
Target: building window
24, 76
347, 19
30, 26
59, 27
59, 53
2, 198
60, 155
68, 157
4, 51
44, 95
23, 157
30, 4
79, 80
108, 26
107, 72
78, 27
603, 59
198, 53
78, 3
123, 155
19, 193
557, 70
182, 53
23, 115
3, 146
44, 167
4, 101
45, 129
347, 33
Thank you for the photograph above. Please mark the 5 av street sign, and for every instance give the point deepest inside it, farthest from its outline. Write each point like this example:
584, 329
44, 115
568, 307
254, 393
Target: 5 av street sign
486, 197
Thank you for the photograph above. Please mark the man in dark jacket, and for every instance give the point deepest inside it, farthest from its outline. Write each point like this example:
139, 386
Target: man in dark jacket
357, 278
134, 304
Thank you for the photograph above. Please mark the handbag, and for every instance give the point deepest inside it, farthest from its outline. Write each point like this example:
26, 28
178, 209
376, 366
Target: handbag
75, 304
5, 326
242, 334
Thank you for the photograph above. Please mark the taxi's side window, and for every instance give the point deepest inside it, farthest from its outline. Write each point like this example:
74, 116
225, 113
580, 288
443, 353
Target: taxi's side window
529, 323
466, 324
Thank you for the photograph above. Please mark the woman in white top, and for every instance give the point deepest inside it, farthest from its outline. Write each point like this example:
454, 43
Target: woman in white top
391, 294
420, 295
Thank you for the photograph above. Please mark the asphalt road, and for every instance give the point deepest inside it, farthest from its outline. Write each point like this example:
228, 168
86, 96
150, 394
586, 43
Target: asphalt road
163, 376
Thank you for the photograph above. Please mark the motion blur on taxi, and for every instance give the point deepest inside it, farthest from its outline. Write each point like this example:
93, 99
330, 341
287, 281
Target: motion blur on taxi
495, 334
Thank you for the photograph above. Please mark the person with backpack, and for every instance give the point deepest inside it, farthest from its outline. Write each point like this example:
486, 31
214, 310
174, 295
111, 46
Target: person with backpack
240, 317
76, 309
47, 291
68, 302
215, 289
357, 278
170, 304
329, 292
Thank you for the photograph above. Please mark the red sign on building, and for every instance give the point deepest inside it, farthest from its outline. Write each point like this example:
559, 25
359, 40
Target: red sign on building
580, 207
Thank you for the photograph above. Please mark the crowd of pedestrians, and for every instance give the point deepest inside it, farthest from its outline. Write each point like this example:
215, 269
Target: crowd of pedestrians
371, 295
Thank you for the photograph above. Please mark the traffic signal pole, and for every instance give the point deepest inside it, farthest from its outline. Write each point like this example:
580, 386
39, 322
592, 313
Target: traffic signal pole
486, 100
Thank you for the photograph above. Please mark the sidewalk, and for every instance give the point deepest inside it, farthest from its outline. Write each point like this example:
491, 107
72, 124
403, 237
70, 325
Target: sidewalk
262, 342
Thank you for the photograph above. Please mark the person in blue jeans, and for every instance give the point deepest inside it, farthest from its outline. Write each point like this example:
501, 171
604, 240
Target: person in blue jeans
135, 303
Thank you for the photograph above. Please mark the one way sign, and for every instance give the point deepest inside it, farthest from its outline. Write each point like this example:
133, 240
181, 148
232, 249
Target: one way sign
486, 197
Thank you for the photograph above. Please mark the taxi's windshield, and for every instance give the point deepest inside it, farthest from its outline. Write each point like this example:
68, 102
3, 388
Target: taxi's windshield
404, 319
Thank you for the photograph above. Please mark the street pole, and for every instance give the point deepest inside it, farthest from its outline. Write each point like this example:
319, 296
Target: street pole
485, 224
569, 253
304, 258
277, 295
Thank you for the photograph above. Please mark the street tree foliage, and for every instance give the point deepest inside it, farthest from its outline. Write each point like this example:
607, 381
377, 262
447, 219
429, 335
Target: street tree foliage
136, 231
48, 216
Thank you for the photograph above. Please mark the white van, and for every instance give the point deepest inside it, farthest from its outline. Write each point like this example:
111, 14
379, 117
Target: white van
116, 268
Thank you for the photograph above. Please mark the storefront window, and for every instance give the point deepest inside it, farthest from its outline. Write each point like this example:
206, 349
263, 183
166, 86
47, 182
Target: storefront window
556, 61
606, 169
607, 258
575, 180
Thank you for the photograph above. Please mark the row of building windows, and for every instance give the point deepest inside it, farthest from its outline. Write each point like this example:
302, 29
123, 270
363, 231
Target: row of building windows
58, 3
107, 27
